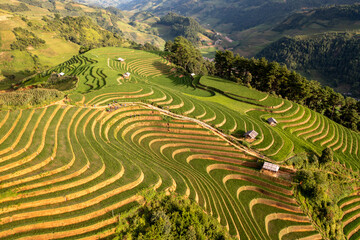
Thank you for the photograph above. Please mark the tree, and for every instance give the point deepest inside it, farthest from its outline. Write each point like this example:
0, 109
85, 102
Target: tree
168, 46
349, 114
224, 63
187, 56
327, 155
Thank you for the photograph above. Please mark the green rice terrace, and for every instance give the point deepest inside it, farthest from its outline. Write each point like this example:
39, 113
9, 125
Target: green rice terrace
69, 169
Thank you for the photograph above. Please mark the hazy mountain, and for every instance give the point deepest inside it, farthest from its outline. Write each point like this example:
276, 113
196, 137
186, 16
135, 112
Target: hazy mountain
232, 15
103, 3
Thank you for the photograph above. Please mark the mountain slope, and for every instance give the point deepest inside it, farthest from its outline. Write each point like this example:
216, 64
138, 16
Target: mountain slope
331, 58
62, 27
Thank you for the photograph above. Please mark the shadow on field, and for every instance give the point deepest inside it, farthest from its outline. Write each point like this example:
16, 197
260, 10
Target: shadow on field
13, 77
177, 81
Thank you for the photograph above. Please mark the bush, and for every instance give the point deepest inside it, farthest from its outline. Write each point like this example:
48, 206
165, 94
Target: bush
326, 156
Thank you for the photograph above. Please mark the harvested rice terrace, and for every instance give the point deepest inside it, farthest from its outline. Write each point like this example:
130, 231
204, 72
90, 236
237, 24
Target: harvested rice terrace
68, 170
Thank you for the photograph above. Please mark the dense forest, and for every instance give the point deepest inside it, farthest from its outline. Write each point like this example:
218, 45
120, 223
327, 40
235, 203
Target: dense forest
333, 55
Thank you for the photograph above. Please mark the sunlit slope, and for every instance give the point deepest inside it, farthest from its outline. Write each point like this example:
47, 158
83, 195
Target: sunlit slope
232, 108
68, 170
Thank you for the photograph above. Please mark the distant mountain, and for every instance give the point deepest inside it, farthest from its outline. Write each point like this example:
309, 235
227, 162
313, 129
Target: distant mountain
322, 18
331, 58
335, 18
103, 3
232, 15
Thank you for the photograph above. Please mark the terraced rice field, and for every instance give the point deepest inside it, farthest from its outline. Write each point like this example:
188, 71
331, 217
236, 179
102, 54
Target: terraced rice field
351, 218
68, 170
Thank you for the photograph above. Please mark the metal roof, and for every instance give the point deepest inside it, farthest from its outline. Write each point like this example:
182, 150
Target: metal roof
251, 134
271, 167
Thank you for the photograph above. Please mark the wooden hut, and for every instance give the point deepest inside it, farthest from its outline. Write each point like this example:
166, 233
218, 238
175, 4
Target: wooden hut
272, 121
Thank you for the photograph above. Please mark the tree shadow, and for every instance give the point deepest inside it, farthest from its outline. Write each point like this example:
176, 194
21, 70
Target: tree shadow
169, 72
14, 77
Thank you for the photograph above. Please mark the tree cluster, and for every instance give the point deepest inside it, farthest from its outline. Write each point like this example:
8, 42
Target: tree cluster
275, 78
33, 2
321, 184
14, 8
185, 55
25, 39
147, 47
169, 217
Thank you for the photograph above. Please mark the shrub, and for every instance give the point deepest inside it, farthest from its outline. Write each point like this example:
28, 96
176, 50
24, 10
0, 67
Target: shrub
168, 217
25, 38
30, 97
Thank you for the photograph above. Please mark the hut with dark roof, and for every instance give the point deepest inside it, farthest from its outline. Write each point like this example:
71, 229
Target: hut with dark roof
251, 134
272, 121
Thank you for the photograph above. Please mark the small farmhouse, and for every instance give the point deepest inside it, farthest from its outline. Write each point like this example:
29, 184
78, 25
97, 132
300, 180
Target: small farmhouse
121, 59
251, 134
272, 121
61, 74
270, 167
126, 75
193, 74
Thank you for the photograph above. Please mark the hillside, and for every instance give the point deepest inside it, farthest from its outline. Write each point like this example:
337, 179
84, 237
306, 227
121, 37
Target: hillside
331, 58
62, 28
114, 136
